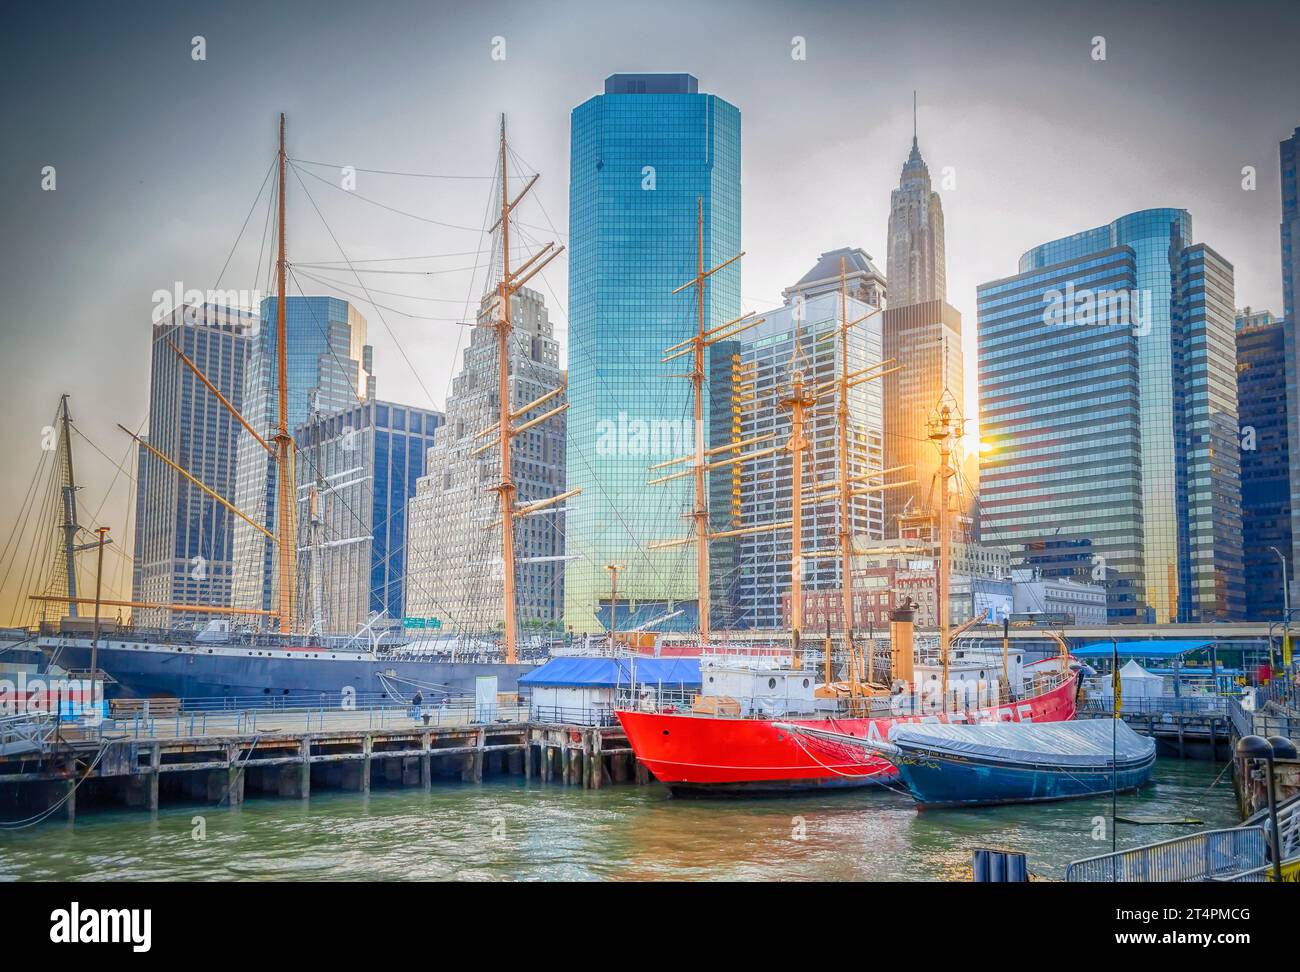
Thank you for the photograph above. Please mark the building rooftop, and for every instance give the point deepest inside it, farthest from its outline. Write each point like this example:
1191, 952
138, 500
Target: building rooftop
652, 84
825, 274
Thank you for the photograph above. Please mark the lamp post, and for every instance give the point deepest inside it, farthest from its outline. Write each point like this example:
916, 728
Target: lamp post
613, 603
99, 579
1117, 689
1286, 592
1286, 612
1275, 747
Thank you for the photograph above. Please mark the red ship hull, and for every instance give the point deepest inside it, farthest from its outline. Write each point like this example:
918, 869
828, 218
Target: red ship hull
698, 754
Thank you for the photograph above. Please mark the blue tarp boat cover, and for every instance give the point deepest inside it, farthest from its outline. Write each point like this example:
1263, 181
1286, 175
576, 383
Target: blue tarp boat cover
611, 672
1140, 649
1083, 743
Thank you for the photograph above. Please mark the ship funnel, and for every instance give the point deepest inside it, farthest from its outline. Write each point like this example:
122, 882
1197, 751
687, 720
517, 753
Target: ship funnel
901, 622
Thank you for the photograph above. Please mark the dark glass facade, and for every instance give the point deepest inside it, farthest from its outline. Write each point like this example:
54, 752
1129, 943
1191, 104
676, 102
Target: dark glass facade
1265, 462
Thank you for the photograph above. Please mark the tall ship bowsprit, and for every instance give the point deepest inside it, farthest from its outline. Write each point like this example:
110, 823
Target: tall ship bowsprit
726, 738
282, 651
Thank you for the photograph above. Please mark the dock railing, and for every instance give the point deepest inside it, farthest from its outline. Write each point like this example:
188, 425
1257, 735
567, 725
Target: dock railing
1193, 705
1255, 723
238, 715
593, 715
1212, 855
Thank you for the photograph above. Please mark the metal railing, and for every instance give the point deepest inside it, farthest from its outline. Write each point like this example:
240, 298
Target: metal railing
1247, 723
192, 720
26, 732
593, 715
1212, 855
1195, 705
1288, 825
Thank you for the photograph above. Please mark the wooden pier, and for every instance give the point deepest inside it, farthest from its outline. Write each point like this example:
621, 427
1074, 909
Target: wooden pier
221, 767
1187, 733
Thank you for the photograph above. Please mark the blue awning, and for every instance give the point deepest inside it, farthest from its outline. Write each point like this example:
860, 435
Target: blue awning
1141, 649
611, 672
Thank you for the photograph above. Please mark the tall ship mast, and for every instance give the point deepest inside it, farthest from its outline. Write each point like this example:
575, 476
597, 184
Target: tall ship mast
508, 427
292, 654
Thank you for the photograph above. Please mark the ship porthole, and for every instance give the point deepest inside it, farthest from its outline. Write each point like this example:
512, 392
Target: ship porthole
771, 683
665, 732
805, 683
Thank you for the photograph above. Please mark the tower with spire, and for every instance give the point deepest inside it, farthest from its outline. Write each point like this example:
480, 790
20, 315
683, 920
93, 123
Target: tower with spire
915, 261
921, 332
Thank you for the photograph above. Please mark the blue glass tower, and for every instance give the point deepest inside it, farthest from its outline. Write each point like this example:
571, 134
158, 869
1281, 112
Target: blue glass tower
329, 364
642, 154
1108, 392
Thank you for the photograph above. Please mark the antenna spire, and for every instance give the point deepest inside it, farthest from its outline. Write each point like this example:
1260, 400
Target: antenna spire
914, 116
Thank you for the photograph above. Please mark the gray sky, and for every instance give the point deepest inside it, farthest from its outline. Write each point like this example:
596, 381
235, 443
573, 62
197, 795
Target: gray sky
159, 157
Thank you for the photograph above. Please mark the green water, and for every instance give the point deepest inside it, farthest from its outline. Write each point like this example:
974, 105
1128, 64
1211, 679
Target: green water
506, 829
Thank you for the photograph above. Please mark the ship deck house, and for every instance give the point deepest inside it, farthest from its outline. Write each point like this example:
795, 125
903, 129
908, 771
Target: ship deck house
584, 691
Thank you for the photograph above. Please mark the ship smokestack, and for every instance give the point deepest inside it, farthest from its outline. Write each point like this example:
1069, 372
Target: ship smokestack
901, 622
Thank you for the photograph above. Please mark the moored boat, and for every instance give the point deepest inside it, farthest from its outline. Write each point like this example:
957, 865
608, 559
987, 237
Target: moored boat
951, 765
712, 752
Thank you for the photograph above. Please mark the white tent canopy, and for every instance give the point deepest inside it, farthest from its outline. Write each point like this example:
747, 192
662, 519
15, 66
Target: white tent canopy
1137, 683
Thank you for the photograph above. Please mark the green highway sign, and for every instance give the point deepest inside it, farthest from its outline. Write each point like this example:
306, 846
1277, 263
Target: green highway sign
421, 623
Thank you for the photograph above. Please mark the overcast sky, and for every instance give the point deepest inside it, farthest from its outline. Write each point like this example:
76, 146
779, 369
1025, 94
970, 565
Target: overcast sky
159, 157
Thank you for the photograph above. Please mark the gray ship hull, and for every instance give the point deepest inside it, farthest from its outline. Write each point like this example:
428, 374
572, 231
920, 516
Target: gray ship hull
144, 670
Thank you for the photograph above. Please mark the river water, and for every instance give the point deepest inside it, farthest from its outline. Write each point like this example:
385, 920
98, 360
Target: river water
506, 829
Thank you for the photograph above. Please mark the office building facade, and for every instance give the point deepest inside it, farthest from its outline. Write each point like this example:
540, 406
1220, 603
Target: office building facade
924, 341
454, 571
643, 155
1108, 398
1289, 162
1265, 460
329, 369
759, 491
356, 470
184, 539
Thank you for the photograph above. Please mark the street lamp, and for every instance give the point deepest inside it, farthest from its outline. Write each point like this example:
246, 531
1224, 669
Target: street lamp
1286, 593
1274, 747
613, 603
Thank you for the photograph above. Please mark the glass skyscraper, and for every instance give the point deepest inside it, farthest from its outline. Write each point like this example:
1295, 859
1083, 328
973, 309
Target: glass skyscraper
1288, 157
642, 154
363, 464
761, 493
1109, 397
184, 538
1289, 161
1265, 459
329, 366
